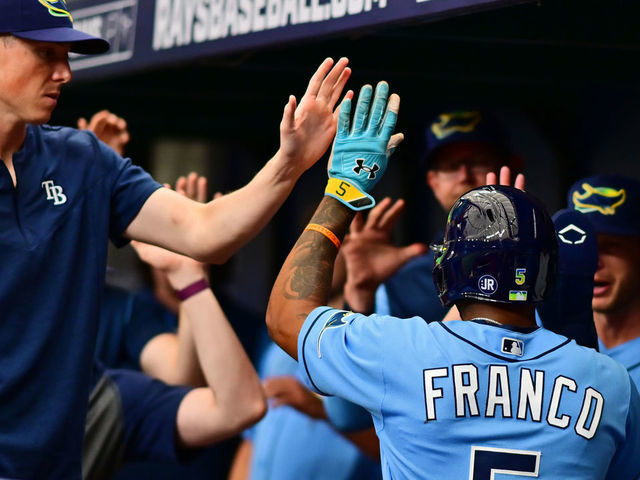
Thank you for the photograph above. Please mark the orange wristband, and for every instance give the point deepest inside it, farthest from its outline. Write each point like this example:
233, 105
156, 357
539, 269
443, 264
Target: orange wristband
326, 232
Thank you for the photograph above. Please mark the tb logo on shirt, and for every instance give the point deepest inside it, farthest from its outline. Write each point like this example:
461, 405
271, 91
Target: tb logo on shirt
54, 192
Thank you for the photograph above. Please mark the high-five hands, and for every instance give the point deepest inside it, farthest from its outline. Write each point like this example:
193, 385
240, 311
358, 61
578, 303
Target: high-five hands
307, 129
361, 152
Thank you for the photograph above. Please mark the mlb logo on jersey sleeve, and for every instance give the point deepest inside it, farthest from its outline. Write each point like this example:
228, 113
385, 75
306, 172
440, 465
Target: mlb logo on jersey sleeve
512, 346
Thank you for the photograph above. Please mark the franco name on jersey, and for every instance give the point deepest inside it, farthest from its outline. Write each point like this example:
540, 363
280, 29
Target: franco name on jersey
567, 404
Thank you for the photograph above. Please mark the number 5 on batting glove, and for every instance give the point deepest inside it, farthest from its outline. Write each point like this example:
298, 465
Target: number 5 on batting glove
360, 155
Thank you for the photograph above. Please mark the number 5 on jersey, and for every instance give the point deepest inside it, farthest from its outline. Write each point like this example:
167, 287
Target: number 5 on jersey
487, 461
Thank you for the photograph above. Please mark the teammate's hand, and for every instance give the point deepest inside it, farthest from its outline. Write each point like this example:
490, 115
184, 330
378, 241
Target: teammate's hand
505, 178
307, 129
286, 390
109, 128
360, 154
370, 256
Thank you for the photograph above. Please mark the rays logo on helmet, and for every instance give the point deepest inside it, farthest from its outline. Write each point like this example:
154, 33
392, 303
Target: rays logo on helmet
336, 320
57, 8
450, 123
488, 284
598, 199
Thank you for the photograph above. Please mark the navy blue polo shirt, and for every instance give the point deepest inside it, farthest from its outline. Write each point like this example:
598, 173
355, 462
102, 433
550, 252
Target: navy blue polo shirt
72, 194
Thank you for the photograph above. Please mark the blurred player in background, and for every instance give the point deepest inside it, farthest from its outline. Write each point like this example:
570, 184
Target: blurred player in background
462, 147
133, 417
462, 399
64, 194
612, 204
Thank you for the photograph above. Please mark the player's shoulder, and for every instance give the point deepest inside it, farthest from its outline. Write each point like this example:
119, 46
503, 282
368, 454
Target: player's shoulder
324, 318
64, 135
73, 143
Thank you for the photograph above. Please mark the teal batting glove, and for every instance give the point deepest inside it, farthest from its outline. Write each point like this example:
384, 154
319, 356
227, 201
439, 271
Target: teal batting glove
360, 155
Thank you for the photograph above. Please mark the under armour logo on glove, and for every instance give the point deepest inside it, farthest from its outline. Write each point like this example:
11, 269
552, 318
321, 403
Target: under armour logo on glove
370, 170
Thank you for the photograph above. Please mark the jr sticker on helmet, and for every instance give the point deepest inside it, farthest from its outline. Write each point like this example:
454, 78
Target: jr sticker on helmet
488, 284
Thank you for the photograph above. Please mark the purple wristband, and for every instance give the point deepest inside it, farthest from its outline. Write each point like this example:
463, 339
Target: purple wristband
192, 289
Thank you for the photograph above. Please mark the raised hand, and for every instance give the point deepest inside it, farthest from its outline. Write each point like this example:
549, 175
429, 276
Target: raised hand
505, 178
307, 129
360, 153
370, 256
109, 128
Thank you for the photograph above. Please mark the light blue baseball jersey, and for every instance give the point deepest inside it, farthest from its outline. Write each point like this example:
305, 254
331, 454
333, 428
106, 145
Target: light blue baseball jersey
628, 354
290, 445
473, 399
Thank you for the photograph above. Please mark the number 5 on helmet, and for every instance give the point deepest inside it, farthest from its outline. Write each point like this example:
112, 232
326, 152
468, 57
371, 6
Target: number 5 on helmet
361, 153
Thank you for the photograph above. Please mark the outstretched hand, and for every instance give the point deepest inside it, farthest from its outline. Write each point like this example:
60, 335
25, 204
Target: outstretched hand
360, 152
109, 128
307, 129
505, 178
370, 256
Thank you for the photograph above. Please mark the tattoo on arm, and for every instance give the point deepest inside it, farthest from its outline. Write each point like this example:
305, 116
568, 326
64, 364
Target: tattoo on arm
312, 258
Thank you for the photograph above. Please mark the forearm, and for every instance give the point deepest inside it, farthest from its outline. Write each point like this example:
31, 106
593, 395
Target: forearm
304, 282
229, 222
229, 374
212, 232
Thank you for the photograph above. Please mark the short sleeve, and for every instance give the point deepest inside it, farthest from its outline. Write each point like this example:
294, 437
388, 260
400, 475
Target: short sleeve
150, 409
340, 354
131, 189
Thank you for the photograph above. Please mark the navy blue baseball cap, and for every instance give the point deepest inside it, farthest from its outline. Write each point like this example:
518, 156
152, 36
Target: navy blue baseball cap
471, 126
47, 21
610, 202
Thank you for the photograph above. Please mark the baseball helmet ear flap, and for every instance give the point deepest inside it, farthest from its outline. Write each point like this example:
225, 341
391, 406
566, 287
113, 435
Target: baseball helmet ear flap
499, 246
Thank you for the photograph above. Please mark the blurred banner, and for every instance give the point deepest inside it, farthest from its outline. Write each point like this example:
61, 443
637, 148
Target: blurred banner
148, 33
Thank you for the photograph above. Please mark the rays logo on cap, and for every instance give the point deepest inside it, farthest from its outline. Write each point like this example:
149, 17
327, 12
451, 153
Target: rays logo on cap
450, 123
598, 199
512, 346
336, 320
57, 8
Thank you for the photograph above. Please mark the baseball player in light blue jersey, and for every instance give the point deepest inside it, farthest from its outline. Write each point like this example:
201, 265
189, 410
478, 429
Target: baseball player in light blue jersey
490, 396
612, 204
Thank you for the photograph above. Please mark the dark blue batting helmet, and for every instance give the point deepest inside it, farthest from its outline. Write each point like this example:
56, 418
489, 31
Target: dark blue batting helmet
499, 246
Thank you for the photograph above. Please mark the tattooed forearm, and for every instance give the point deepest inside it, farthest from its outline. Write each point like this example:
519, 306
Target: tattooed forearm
333, 215
311, 260
310, 268
304, 281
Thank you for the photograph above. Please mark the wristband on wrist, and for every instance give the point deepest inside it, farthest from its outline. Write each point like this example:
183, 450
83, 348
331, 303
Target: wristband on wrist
191, 289
349, 194
326, 232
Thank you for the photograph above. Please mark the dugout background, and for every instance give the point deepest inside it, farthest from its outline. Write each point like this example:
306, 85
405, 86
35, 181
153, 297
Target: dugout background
562, 75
